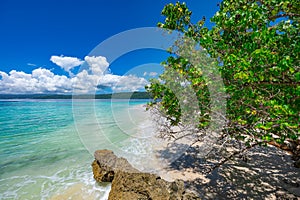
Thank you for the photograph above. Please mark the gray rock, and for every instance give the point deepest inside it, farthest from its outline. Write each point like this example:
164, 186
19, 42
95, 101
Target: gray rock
129, 183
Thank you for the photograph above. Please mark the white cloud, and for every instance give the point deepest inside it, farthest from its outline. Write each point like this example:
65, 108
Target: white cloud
31, 64
98, 64
129, 83
39, 81
150, 74
85, 82
123, 83
65, 62
153, 74
43, 80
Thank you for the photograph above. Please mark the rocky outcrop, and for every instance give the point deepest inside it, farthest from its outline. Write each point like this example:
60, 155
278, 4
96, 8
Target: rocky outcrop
129, 183
106, 164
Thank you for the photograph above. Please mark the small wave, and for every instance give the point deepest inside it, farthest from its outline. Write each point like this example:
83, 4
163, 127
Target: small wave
57, 185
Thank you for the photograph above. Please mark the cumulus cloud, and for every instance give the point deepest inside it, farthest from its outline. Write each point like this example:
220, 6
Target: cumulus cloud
98, 64
39, 81
123, 83
90, 80
65, 62
129, 83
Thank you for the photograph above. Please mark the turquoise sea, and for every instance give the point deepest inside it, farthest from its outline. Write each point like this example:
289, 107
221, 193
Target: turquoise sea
46, 146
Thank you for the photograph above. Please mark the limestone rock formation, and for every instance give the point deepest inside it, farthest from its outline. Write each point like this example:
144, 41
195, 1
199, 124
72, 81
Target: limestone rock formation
129, 183
106, 164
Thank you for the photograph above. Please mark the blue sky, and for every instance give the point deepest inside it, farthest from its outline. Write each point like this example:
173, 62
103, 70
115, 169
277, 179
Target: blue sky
41, 40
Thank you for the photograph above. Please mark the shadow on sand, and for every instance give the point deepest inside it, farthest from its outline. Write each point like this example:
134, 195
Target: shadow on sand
268, 173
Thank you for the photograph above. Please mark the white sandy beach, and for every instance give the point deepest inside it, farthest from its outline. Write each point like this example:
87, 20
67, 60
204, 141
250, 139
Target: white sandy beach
266, 173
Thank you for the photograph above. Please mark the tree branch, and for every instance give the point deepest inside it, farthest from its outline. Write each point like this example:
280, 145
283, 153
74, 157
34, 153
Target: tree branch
284, 15
231, 156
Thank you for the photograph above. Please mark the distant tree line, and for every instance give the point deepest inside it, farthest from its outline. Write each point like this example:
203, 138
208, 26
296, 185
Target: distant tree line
121, 95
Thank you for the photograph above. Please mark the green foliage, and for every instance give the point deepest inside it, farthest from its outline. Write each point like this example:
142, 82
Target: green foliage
256, 43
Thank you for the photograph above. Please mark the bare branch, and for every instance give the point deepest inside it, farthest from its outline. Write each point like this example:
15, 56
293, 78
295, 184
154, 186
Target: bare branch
284, 15
226, 159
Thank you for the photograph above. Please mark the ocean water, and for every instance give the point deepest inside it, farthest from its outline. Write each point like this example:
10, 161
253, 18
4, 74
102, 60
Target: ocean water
46, 146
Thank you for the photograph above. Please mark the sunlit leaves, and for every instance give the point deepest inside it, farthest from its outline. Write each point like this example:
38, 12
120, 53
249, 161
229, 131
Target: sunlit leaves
257, 45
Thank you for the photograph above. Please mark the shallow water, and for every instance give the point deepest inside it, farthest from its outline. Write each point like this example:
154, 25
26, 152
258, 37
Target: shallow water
46, 146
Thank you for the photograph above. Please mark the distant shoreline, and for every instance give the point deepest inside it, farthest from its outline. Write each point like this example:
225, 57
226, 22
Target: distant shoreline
121, 95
